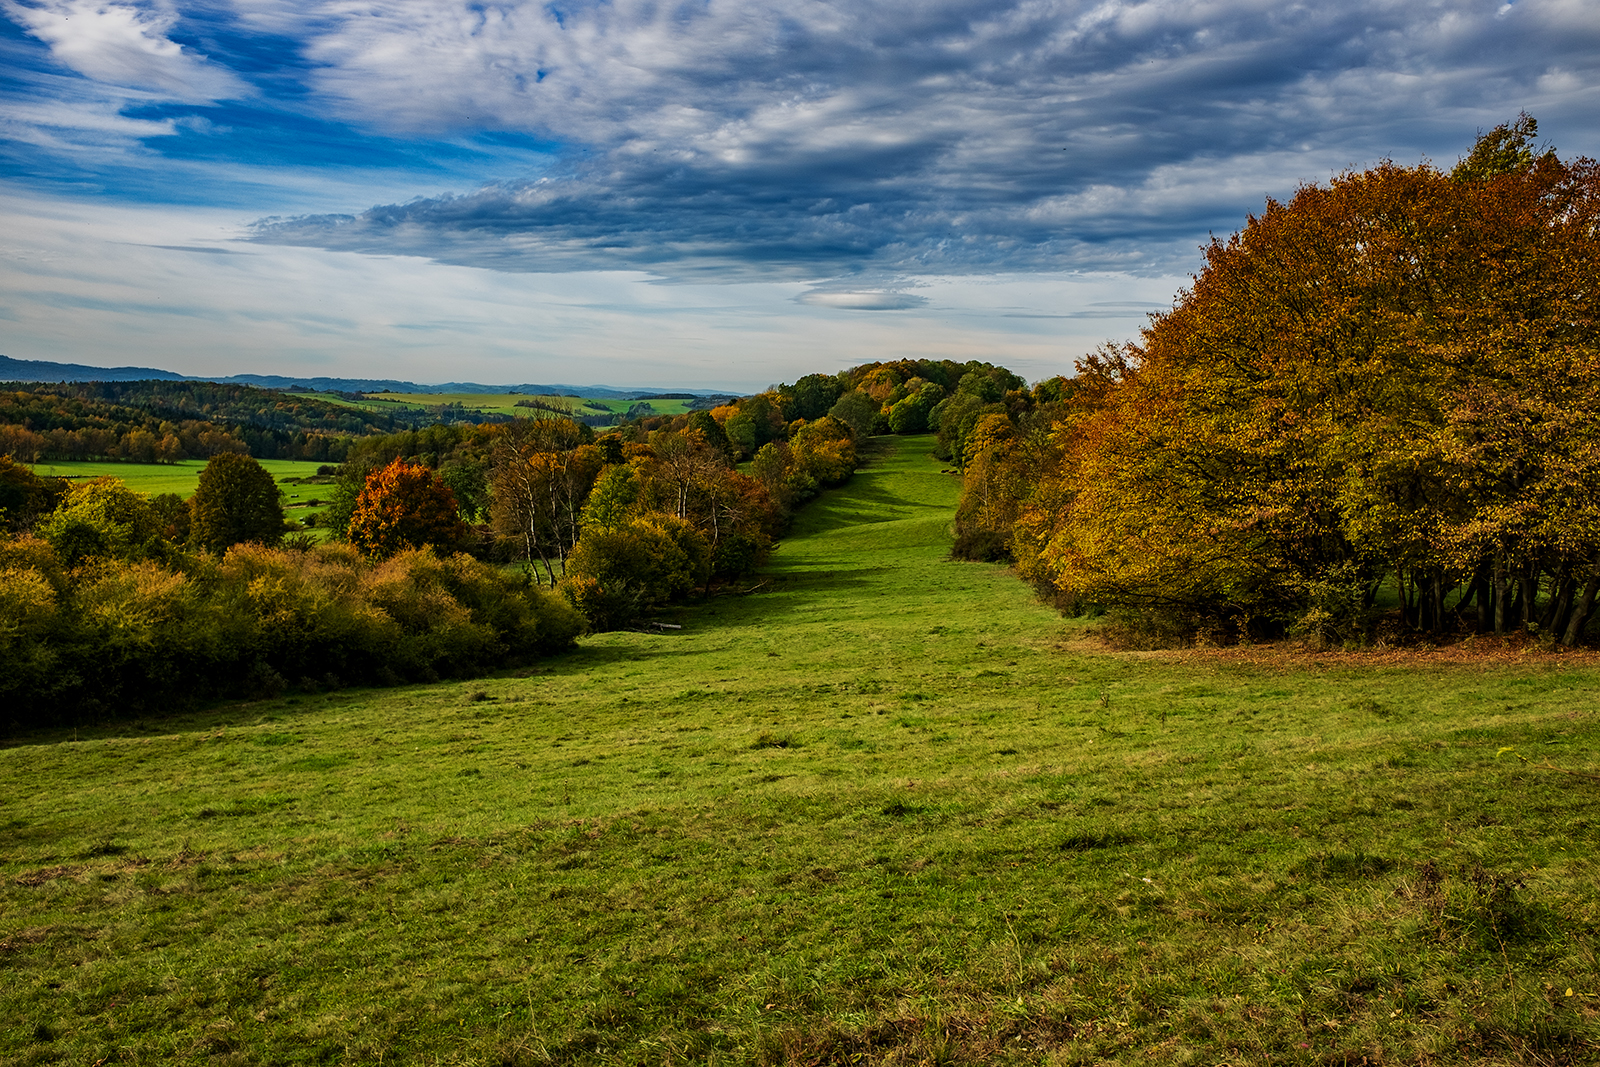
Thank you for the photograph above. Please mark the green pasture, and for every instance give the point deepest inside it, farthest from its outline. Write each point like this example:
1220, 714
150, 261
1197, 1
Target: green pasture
498, 403
874, 806
153, 479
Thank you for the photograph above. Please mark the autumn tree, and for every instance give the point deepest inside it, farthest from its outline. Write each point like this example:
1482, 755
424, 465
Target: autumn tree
1389, 381
405, 505
543, 471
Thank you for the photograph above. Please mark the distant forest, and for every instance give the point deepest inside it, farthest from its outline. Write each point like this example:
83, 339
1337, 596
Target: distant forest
167, 421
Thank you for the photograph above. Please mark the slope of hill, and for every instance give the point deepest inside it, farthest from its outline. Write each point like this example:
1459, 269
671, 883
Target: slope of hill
882, 809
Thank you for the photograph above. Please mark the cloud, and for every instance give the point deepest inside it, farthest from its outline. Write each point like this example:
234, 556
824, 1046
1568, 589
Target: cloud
125, 45
81, 278
863, 300
773, 140
818, 138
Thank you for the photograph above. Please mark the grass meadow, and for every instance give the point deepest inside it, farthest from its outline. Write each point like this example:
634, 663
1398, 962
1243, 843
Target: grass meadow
875, 807
500, 403
182, 477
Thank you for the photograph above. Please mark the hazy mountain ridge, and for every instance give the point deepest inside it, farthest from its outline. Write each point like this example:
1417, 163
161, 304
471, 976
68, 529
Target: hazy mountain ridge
35, 370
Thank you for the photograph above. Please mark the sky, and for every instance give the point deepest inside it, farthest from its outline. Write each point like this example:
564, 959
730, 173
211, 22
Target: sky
711, 194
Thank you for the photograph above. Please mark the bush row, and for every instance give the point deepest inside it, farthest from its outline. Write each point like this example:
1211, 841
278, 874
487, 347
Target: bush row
113, 638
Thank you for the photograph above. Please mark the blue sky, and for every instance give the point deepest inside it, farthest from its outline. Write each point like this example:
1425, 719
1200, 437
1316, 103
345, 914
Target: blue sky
700, 194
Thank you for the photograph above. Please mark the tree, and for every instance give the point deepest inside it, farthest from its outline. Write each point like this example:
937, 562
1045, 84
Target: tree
611, 503
858, 411
543, 472
1393, 378
104, 519
24, 496
910, 414
615, 574
235, 502
405, 506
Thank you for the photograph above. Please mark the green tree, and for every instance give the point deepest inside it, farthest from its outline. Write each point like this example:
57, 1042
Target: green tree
701, 422
1506, 149
24, 496
236, 502
910, 415
616, 574
104, 519
611, 502
858, 411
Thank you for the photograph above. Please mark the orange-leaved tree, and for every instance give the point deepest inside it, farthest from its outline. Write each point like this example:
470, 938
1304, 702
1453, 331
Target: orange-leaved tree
1390, 381
405, 505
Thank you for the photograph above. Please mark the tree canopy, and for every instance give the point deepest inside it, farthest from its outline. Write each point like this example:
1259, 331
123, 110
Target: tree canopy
1392, 379
404, 506
236, 501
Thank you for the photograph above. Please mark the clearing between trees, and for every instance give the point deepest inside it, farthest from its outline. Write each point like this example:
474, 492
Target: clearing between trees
883, 807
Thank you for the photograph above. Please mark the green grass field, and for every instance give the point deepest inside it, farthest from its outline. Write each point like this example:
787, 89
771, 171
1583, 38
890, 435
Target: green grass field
499, 403
880, 808
181, 478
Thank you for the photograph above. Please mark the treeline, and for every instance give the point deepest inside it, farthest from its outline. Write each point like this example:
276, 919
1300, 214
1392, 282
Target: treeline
1376, 409
164, 422
622, 521
111, 603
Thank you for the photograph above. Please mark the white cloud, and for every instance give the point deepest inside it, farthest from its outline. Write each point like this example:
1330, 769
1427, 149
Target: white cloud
805, 138
125, 45
147, 287
861, 300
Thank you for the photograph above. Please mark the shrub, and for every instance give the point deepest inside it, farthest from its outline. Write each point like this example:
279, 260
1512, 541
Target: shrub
615, 575
981, 545
134, 636
104, 519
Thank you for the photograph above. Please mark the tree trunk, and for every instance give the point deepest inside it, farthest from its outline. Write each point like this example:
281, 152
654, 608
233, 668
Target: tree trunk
1499, 586
1580, 614
1527, 600
1555, 613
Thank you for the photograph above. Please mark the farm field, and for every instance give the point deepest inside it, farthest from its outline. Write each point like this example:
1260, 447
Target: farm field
501, 403
882, 807
182, 477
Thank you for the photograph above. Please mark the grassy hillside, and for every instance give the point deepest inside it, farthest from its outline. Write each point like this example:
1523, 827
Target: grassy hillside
883, 808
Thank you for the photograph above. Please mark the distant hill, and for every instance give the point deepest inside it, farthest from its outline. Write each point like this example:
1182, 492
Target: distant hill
35, 370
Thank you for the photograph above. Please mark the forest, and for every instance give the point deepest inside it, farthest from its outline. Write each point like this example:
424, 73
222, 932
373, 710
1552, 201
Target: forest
448, 550
1374, 416
165, 421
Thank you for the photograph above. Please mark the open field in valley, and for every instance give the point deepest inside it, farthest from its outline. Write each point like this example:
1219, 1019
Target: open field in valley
503, 403
182, 477
875, 807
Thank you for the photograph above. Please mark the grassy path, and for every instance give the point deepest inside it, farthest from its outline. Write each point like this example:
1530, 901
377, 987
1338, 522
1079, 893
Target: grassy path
875, 811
